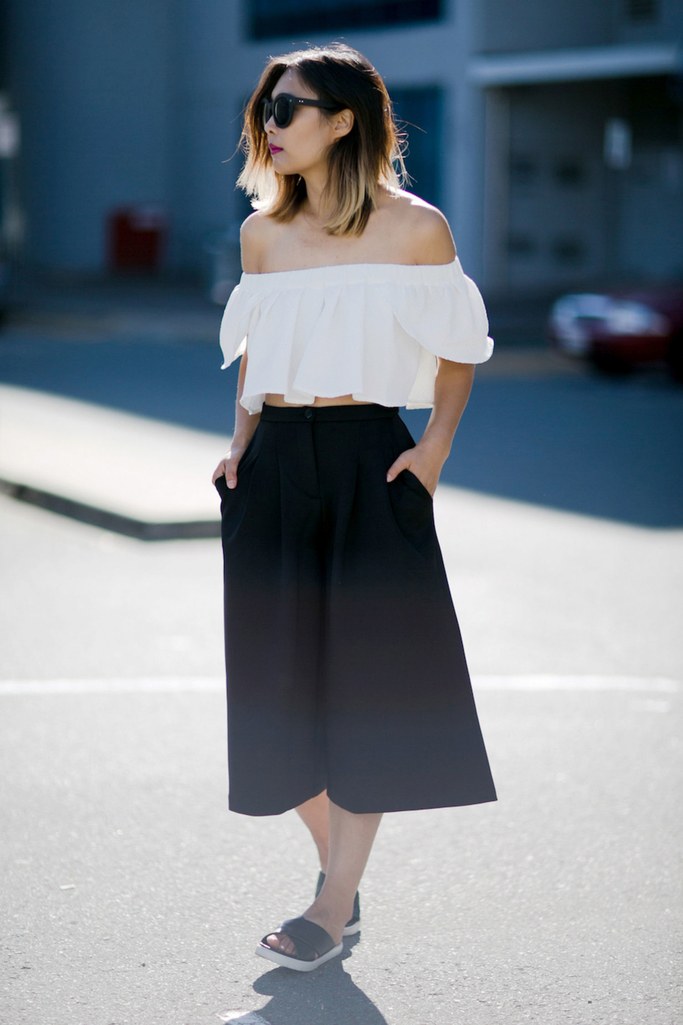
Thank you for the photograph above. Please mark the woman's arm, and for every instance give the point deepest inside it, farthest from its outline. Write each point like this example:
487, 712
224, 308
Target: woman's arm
433, 243
451, 391
245, 423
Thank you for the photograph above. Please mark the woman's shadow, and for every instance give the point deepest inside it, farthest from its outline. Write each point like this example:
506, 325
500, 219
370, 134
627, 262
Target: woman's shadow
326, 996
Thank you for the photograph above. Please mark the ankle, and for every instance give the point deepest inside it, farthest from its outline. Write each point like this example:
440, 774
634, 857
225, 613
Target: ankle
331, 919
334, 906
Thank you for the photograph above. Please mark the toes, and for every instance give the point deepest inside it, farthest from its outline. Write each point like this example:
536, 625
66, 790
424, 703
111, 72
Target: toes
278, 941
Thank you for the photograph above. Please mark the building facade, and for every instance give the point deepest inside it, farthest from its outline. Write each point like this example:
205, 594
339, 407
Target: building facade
549, 133
584, 140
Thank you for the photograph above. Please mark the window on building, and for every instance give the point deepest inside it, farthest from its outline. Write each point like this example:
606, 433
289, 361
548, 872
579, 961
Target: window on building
420, 112
291, 17
642, 10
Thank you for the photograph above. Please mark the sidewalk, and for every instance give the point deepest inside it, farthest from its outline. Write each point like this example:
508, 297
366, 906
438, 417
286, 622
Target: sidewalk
140, 477
131, 474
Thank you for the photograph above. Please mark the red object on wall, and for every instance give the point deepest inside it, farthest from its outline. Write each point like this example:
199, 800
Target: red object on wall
136, 237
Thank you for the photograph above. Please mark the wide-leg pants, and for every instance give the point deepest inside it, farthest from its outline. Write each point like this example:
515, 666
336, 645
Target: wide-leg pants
345, 666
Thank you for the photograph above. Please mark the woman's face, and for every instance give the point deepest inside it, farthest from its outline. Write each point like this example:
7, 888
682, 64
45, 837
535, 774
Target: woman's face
302, 146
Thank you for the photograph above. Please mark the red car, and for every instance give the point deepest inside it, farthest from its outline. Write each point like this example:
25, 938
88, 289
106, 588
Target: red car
622, 329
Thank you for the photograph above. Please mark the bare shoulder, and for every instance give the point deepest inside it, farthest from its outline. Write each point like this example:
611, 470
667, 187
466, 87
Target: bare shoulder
431, 240
255, 232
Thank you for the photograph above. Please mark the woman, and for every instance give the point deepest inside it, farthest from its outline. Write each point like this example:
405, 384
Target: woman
348, 691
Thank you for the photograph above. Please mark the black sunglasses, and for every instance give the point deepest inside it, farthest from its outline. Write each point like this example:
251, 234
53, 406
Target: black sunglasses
281, 109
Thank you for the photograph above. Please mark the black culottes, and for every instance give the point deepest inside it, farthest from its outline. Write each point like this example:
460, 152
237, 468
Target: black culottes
345, 666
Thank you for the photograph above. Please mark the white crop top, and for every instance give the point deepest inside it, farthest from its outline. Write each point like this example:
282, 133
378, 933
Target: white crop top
370, 330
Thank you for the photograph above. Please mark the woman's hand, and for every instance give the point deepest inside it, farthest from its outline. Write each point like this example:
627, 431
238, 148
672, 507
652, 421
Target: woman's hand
425, 461
451, 392
245, 426
228, 467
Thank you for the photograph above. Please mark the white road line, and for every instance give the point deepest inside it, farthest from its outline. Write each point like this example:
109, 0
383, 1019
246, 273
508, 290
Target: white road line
545, 681
115, 685
213, 684
241, 1018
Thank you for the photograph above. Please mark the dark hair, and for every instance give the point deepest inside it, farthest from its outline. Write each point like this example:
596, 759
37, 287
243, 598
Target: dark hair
359, 162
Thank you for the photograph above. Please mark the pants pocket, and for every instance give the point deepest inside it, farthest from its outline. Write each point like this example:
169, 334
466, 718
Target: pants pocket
414, 482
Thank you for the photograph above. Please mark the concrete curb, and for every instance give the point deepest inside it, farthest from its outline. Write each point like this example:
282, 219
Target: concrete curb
133, 476
118, 523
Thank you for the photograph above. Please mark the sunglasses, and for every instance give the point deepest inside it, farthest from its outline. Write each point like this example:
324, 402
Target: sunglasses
281, 109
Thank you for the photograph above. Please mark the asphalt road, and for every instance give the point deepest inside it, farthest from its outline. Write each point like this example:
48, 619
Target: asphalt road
130, 894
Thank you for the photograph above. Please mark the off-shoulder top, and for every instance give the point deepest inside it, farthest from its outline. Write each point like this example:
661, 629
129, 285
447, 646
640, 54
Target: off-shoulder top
369, 330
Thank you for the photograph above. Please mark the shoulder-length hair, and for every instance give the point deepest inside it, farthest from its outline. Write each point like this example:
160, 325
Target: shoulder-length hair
370, 155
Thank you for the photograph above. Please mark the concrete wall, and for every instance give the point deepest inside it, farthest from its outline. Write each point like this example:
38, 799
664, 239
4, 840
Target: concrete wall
666, 27
90, 82
205, 104
509, 25
523, 25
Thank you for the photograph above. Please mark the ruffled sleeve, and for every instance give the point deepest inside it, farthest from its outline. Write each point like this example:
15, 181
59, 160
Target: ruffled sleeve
239, 317
445, 314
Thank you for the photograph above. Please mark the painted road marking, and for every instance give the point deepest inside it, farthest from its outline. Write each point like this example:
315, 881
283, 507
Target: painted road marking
214, 685
241, 1018
542, 681
115, 685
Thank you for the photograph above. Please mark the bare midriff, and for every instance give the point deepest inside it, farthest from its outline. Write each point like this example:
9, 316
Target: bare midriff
340, 400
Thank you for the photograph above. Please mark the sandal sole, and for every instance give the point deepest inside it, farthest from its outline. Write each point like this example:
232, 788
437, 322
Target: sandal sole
295, 965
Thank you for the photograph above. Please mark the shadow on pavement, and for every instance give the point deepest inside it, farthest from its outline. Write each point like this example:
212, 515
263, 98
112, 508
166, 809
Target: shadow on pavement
326, 996
580, 443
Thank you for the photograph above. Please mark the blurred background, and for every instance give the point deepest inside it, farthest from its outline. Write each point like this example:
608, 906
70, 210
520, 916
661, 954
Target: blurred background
549, 133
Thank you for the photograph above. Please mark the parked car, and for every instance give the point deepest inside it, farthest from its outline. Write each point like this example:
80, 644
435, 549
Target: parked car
621, 329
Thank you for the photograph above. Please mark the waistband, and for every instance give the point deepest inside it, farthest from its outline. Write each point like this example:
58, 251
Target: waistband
310, 414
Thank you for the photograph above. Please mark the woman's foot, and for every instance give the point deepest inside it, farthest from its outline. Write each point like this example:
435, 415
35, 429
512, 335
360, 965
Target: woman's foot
312, 946
331, 920
351, 836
